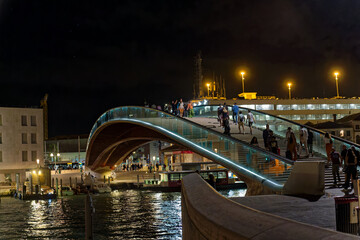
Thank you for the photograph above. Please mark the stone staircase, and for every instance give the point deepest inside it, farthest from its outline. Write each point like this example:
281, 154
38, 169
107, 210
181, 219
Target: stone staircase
329, 181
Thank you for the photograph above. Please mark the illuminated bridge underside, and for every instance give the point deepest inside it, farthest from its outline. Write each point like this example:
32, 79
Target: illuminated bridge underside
120, 131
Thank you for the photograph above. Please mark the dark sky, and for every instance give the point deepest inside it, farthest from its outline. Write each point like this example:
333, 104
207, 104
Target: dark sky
94, 55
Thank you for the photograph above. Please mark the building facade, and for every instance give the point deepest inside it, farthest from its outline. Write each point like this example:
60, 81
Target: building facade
21, 141
315, 110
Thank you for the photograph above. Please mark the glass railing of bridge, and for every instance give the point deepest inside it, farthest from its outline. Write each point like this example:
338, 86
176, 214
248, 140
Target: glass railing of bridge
254, 162
279, 126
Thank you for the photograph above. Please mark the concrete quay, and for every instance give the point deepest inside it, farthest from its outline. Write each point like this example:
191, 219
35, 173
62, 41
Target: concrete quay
320, 213
208, 215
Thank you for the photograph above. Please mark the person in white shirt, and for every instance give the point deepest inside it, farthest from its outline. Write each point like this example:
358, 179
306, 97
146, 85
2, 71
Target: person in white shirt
303, 141
251, 120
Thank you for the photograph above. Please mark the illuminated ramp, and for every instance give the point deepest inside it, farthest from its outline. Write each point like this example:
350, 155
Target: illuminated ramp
121, 130
279, 126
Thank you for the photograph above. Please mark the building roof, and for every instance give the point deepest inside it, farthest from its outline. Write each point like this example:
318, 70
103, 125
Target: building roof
352, 117
331, 125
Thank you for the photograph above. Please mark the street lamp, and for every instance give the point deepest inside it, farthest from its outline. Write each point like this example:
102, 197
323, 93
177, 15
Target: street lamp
242, 79
337, 83
38, 162
208, 87
289, 84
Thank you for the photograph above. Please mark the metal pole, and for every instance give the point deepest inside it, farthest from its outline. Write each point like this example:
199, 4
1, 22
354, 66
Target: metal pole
61, 187
289, 92
57, 186
89, 210
337, 86
243, 84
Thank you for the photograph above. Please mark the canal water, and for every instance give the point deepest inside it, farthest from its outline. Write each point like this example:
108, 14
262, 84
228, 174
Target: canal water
128, 214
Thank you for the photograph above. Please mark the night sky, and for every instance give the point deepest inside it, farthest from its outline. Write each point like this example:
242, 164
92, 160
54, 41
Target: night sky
90, 56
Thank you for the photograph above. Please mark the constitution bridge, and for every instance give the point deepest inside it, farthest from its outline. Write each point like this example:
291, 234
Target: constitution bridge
121, 130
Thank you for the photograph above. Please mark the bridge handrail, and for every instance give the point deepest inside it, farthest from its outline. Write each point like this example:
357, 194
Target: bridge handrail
289, 161
337, 140
233, 153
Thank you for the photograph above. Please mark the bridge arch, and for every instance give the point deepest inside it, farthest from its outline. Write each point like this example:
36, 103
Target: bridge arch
119, 131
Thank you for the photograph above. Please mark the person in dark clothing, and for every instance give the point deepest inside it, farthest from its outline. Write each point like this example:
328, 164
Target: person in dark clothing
351, 162
226, 122
266, 133
212, 181
310, 142
273, 145
336, 163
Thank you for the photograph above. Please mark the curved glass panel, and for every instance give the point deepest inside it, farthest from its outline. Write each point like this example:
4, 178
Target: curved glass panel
252, 162
279, 126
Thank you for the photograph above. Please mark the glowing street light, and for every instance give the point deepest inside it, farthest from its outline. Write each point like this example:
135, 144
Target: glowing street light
289, 84
242, 79
208, 87
337, 83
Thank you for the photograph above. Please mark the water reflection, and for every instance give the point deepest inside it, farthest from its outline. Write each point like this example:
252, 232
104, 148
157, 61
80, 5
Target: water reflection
120, 215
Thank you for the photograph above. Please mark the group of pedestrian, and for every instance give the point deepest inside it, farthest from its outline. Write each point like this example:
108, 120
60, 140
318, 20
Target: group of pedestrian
238, 118
348, 159
270, 142
180, 108
132, 167
293, 149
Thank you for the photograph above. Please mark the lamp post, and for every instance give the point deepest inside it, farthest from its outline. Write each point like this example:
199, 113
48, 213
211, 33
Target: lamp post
52, 158
289, 84
337, 83
208, 87
242, 80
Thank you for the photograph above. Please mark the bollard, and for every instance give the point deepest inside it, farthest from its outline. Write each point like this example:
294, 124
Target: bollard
104, 179
75, 182
57, 186
52, 183
82, 179
60, 187
24, 190
89, 211
346, 214
36, 189
70, 182
138, 181
109, 181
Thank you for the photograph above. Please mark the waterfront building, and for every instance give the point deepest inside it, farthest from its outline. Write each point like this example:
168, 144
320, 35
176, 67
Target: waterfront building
66, 151
343, 130
315, 110
178, 158
21, 142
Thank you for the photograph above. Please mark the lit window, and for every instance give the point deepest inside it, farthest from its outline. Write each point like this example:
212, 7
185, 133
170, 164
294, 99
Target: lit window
341, 133
23, 120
